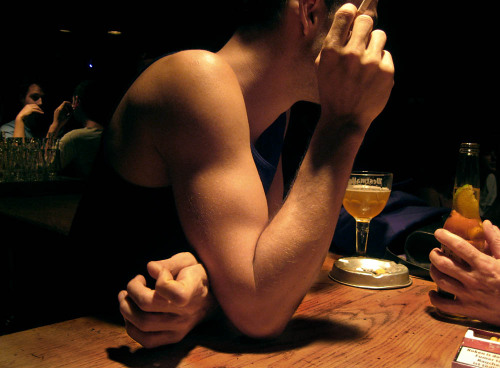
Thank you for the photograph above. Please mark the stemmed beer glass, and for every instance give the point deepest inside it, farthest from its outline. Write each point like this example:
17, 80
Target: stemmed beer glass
366, 196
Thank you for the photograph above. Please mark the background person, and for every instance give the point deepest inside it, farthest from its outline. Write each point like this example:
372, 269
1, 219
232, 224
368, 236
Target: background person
91, 108
29, 118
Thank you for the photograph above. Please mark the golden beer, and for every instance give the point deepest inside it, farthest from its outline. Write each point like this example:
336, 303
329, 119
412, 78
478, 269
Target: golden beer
364, 202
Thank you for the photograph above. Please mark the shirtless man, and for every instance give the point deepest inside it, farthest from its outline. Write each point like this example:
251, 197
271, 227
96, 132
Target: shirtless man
187, 124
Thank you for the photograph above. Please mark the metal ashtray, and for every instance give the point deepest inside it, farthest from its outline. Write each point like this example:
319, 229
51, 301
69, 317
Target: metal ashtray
370, 273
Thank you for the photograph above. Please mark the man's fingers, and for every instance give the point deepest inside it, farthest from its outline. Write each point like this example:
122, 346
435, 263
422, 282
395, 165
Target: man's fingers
445, 282
155, 268
173, 264
191, 282
143, 296
361, 32
122, 295
492, 235
169, 295
341, 28
450, 268
377, 43
151, 321
154, 339
445, 304
387, 64
459, 247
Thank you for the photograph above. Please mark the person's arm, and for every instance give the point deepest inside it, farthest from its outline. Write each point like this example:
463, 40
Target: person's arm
475, 284
26, 112
180, 300
259, 267
61, 116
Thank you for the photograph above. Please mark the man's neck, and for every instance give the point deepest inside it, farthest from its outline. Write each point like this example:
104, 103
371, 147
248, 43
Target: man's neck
267, 73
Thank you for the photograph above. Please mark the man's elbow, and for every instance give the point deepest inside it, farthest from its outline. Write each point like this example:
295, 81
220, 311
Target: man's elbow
261, 332
261, 325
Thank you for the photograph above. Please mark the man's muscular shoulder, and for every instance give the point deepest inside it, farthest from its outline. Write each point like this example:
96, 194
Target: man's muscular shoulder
181, 104
192, 108
193, 89
185, 78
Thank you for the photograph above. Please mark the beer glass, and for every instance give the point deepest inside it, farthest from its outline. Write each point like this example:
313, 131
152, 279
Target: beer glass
366, 196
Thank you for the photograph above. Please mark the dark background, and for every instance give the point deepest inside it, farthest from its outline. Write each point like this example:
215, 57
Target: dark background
445, 80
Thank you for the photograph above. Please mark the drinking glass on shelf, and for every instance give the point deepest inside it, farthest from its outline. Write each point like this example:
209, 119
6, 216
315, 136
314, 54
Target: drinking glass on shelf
51, 157
366, 196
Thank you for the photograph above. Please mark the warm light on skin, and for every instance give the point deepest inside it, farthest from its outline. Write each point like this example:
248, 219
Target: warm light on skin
371, 10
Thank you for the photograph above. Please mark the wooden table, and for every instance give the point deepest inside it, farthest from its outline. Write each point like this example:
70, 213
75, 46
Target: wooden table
335, 326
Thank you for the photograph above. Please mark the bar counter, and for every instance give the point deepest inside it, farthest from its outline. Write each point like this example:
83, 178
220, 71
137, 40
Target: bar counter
335, 326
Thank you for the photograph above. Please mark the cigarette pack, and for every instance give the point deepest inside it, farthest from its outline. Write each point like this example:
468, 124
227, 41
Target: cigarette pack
479, 349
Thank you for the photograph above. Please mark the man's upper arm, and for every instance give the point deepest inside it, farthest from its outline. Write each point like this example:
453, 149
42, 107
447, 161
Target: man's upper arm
218, 192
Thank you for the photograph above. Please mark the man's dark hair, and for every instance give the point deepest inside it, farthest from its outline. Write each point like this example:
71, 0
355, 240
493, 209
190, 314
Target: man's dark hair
266, 14
94, 100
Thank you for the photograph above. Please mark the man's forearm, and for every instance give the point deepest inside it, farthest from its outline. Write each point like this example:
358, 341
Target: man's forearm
291, 250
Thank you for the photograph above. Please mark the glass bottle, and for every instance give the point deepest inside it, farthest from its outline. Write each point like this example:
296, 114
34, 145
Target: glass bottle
464, 219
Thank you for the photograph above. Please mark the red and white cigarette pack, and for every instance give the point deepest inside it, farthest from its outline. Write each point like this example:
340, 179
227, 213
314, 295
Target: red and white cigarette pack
479, 349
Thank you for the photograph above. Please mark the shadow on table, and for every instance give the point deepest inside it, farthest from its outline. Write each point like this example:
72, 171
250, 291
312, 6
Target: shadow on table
300, 332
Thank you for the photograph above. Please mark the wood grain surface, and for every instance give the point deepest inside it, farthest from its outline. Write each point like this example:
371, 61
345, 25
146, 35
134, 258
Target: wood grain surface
335, 326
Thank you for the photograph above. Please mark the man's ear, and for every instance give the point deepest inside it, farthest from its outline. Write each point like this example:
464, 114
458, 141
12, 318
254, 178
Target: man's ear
309, 15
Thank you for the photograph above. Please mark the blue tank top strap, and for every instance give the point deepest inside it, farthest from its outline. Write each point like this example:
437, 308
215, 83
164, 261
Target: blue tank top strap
267, 150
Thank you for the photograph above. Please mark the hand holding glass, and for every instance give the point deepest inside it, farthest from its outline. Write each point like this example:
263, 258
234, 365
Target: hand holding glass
366, 196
